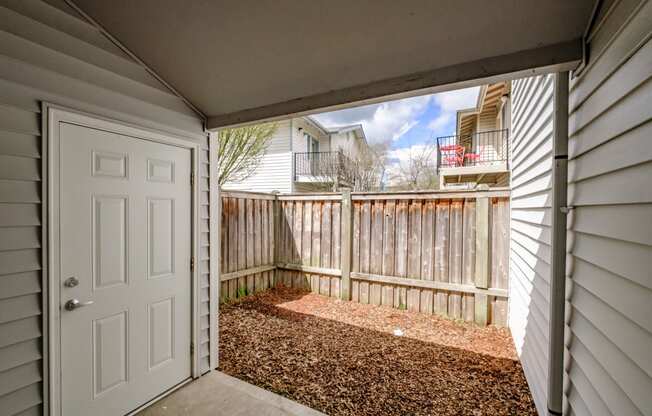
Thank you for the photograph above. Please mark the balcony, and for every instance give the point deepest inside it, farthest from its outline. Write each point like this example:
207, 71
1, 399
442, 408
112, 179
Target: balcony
321, 167
476, 158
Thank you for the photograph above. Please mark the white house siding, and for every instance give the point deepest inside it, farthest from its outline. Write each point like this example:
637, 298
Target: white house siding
275, 170
531, 147
299, 143
609, 300
48, 54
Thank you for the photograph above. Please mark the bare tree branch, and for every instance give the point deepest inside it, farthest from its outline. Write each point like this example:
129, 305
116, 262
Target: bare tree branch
419, 171
241, 149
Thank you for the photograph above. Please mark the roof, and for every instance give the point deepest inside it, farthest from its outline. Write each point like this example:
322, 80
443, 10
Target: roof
305, 57
358, 128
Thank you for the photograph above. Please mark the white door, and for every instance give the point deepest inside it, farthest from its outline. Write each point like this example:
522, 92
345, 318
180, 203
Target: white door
125, 246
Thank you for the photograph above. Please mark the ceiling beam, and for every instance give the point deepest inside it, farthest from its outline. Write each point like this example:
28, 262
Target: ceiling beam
554, 58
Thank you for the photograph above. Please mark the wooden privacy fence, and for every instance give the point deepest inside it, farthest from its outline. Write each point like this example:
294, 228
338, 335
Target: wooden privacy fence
444, 252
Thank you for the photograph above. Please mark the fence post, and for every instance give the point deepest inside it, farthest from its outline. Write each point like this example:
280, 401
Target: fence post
481, 257
346, 244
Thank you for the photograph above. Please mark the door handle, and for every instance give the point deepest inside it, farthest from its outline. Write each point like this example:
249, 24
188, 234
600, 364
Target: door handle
73, 304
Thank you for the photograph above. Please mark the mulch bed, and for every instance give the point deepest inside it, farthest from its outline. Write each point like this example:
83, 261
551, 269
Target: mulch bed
342, 358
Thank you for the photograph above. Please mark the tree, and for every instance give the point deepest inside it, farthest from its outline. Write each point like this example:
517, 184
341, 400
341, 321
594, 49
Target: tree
362, 170
419, 171
240, 150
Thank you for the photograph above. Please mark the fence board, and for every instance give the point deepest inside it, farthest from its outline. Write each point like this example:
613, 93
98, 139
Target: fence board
455, 258
336, 234
468, 258
242, 243
365, 248
266, 242
427, 254
376, 237
414, 253
250, 232
442, 248
325, 238
499, 258
388, 250
297, 230
355, 261
400, 293
258, 243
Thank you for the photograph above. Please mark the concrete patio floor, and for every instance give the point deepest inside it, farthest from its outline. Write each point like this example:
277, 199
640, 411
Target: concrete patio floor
218, 394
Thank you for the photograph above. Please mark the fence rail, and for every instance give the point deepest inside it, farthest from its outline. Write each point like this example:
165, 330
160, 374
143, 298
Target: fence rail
443, 252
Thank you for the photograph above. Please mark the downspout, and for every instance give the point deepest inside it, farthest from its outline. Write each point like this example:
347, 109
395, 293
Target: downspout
558, 262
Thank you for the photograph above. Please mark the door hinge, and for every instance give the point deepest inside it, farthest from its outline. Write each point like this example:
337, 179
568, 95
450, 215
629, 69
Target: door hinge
192, 264
192, 348
192, 178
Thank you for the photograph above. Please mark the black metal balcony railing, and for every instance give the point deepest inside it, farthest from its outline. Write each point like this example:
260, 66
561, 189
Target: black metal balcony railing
479, 149
326, 166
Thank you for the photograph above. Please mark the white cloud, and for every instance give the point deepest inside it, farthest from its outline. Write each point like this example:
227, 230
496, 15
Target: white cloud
382, 122
403, 154
441, 122
390, 120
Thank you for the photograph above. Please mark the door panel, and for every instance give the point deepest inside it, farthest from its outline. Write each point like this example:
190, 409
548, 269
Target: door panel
110, 341
125, 235
160, 238
109, 239
161, 332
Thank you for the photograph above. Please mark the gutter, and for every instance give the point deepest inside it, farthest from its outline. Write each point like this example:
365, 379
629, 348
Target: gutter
560, 209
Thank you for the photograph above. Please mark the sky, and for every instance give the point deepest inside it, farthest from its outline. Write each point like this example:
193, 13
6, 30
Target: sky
406, 124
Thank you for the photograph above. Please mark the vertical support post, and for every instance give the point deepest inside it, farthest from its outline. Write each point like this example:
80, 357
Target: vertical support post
481, 256
558, 261
346, 244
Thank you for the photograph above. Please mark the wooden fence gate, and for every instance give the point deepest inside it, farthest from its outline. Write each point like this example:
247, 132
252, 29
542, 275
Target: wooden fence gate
444, 252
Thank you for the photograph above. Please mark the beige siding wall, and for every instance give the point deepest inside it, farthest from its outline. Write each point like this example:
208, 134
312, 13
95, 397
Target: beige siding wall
275, 170
47, 54
531, 150
488, 120
609, 308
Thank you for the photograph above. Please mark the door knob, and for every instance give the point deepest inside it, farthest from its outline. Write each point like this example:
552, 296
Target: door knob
73, 304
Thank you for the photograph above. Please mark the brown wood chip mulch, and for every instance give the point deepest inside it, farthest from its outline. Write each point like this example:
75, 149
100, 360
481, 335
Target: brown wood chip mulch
342, 358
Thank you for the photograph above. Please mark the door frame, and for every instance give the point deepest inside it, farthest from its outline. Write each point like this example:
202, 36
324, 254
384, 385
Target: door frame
52, 115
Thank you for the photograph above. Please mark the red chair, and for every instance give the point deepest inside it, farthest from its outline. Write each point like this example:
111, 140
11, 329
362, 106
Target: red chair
453, 154
472, 157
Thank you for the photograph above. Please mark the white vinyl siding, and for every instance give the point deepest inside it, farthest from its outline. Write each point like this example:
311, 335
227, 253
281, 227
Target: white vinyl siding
609, 287
275, 170
531, 154
609, 326
299, 142
48, 54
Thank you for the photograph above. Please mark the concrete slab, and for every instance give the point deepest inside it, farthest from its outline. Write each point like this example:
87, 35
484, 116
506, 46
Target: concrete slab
218, 394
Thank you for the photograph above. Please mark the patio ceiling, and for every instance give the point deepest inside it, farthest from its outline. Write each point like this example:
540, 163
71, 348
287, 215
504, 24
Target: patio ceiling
238, 61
